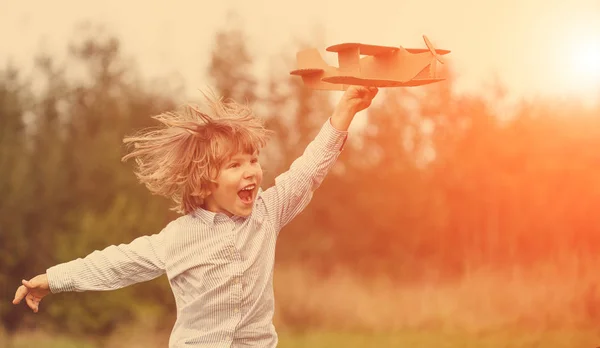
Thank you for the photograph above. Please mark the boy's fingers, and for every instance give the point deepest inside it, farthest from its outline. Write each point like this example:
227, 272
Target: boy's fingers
20, 293
31, 303
373, 92
33, 284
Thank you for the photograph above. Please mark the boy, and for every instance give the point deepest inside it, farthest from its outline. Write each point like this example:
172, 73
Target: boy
219, 255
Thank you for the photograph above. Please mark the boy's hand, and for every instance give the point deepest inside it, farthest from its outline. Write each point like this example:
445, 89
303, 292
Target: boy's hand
33, 291
358, 98
355, 99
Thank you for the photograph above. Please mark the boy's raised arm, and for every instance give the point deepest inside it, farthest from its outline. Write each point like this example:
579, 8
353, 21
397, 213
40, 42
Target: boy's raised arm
114, 267
294, 188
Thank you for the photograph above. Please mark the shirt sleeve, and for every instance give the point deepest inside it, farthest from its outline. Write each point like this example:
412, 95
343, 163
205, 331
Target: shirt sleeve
114, 267
294, 188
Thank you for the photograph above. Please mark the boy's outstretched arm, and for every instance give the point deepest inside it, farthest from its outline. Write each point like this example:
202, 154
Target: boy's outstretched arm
293, 189
114, 267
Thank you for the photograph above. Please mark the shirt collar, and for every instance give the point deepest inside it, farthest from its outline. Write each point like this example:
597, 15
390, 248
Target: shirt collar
208, 217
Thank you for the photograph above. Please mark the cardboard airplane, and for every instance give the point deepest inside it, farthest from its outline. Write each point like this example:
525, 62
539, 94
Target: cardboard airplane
382, 66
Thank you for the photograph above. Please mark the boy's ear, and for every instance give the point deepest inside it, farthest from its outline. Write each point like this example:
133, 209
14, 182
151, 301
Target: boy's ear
202, 193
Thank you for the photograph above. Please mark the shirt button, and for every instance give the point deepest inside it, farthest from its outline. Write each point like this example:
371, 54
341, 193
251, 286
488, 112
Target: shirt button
236, 310
228, 338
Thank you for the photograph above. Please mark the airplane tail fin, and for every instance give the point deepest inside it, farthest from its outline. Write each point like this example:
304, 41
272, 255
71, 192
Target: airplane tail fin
310, 59
311, 67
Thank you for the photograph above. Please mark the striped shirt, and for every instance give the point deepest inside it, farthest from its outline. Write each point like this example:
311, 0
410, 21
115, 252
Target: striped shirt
220, 269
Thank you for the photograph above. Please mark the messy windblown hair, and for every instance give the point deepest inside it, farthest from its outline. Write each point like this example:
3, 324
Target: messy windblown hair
179, 159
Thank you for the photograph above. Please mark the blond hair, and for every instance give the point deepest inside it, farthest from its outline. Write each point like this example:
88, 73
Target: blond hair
181, 158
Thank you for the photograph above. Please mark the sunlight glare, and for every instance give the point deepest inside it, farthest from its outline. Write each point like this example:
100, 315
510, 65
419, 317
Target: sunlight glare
586, 61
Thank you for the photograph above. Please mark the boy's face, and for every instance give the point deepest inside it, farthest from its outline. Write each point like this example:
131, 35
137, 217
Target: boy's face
236, 186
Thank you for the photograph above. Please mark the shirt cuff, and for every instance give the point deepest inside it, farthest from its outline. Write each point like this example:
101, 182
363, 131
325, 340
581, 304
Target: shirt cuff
332, 138
59, 279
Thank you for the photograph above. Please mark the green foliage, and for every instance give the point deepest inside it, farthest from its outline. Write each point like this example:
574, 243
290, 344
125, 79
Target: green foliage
15, 176
66, 191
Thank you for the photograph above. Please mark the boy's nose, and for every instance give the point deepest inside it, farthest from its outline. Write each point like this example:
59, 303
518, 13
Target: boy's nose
248, 173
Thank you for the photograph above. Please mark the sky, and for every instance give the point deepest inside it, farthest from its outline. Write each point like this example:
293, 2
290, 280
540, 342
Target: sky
534, 47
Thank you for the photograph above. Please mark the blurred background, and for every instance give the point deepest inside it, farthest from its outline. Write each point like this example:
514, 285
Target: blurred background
460, 214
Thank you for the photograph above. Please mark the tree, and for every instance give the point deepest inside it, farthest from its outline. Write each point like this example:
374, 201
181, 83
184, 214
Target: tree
15, 242
231, 65
68, 193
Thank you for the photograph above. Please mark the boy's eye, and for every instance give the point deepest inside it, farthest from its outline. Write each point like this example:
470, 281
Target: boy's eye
254, 160
234, 165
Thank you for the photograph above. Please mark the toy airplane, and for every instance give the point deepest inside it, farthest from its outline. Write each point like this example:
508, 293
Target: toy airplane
382, 66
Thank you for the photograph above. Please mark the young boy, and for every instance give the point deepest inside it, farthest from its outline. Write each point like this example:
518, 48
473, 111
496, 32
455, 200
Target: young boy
219, 255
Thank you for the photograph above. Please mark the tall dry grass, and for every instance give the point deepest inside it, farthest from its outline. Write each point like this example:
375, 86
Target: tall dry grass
547, 297
543, 299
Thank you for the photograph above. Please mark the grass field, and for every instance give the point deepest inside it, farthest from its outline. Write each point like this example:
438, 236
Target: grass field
556, 339
545, 307
437, 339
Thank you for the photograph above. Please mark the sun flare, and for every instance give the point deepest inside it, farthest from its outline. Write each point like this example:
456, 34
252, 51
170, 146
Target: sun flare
578, 56
586, 61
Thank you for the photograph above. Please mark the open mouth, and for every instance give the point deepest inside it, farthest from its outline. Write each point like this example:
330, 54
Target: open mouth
247, 193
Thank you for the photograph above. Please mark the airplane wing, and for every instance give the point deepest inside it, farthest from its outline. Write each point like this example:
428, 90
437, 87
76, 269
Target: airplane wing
353, 80
369, 50
421, 82
423, 50
302, 72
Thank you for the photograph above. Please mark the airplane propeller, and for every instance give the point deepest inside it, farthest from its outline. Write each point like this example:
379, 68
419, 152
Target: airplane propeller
438, 58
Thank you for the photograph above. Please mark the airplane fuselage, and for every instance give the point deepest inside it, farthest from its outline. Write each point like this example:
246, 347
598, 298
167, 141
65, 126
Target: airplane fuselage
399, 65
